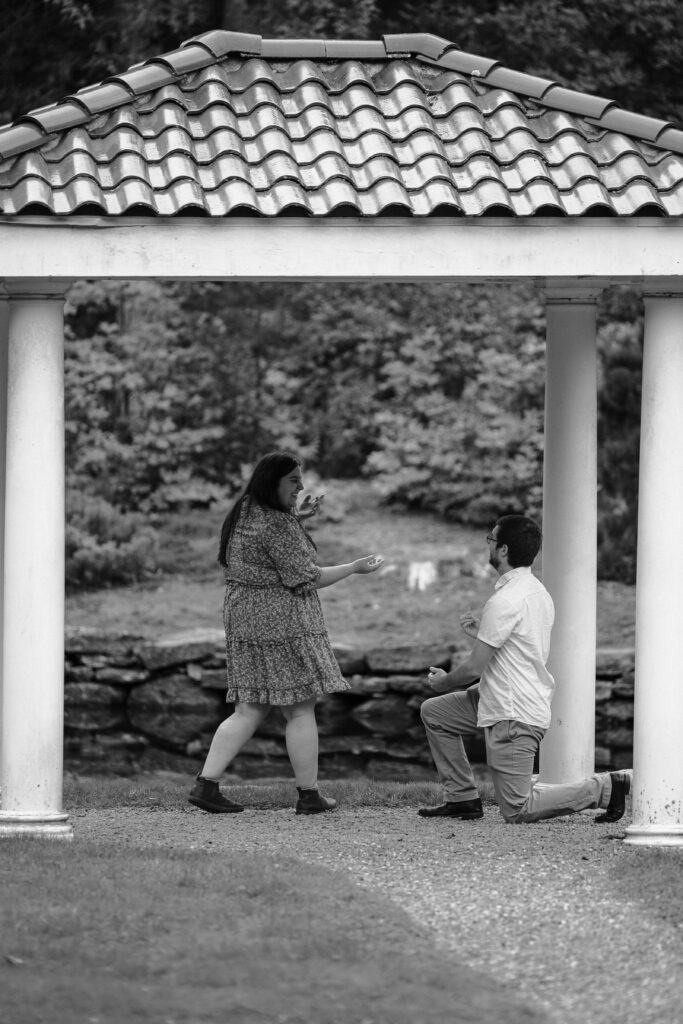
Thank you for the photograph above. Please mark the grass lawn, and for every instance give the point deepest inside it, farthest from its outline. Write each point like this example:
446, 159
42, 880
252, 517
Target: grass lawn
97, 934
108, 933
168, 791
108, 936
386, 608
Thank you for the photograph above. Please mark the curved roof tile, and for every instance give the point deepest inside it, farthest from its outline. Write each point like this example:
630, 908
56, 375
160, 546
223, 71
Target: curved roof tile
230, 123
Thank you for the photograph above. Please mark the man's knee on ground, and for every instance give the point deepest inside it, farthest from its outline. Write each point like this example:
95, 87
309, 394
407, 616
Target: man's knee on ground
515, 815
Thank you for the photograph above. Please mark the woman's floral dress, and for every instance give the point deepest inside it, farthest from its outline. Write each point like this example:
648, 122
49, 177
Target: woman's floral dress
277, 647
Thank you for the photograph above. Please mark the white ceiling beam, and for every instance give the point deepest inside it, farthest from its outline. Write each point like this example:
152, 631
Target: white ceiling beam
551, 251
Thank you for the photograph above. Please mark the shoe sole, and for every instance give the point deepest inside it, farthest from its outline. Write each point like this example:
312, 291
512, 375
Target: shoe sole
462, 817
313, 810
607, 818
213, 808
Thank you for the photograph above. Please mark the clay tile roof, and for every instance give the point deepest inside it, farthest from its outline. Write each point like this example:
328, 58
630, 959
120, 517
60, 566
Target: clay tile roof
233, 124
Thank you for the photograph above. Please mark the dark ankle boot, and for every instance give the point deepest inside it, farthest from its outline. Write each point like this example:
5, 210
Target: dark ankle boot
206, 794
311, 802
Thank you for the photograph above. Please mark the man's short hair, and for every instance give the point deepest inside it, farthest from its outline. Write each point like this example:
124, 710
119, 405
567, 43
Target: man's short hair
522, 536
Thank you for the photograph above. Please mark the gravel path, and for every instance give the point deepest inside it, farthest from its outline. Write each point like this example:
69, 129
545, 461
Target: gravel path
540, 907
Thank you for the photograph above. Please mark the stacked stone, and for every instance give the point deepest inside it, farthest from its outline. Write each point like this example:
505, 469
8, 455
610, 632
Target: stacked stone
614, 708
134, 705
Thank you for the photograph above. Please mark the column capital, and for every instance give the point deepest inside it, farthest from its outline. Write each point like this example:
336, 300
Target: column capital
661, 287
32, 288
571, 295
650, 295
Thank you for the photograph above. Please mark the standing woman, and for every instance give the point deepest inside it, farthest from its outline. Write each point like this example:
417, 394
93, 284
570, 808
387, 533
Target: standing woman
277, 648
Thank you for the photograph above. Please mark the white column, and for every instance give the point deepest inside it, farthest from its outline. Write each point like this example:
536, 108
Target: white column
4, 321
570, 531
658, 711
33, 657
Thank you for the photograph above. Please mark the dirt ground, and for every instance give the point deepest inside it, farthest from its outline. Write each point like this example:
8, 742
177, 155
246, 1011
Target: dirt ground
433, 572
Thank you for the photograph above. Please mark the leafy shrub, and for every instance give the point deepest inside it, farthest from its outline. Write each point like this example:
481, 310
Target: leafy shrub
461, 430
621, 357
435, 391
105, 547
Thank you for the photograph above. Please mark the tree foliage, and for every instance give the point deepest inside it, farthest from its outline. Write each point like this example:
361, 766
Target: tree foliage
52, 48
173, 391
627, 50
621, 357
462, 408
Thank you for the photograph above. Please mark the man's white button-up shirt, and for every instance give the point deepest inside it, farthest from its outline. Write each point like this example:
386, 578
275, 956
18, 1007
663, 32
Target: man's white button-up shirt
517, 620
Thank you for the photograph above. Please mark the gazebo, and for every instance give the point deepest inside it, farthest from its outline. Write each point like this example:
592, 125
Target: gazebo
404, 159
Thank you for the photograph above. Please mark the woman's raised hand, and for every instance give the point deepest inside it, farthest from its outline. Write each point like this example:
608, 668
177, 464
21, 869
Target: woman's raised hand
368, 564
470, 624
309, 506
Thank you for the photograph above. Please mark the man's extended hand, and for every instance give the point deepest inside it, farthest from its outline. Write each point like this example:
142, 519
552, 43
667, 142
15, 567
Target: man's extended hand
436, 677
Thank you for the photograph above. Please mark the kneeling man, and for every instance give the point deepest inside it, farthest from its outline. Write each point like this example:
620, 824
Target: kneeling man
504, 688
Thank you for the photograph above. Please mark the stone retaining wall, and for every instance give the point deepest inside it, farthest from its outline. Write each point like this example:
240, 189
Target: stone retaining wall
136, 705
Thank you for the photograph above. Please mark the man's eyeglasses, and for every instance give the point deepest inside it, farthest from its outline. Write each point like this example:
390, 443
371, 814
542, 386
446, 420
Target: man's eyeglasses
490, 539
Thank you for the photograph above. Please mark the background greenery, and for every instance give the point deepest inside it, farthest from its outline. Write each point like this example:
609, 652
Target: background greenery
434, 391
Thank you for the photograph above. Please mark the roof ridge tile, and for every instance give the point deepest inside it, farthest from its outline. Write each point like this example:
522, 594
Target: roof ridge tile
143, 79
20, 138
467, 63
185, 60
221, 42
671, 138
291, 49
57, 118
616, 119
96, 98
354, 49
518, 81
420, 43
572, 102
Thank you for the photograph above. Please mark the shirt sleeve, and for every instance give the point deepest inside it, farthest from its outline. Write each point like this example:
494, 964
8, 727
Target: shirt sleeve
498, 619
291, 552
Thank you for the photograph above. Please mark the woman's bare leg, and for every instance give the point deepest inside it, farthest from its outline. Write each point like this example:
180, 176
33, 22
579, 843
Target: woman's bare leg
301, 736
230, 737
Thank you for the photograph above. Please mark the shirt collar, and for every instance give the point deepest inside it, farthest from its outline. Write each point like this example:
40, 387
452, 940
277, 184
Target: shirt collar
520, 570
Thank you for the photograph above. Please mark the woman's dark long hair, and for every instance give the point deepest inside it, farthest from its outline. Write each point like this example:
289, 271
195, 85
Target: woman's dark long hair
262, 489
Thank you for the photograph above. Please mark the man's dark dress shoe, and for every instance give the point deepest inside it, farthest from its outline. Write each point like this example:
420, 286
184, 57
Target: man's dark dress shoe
621, 787
465, 809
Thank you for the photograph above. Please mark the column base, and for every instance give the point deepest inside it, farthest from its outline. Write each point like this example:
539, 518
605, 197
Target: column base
49, 826
654, 835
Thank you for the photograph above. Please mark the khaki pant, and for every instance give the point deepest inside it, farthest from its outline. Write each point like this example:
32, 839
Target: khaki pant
510, 750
